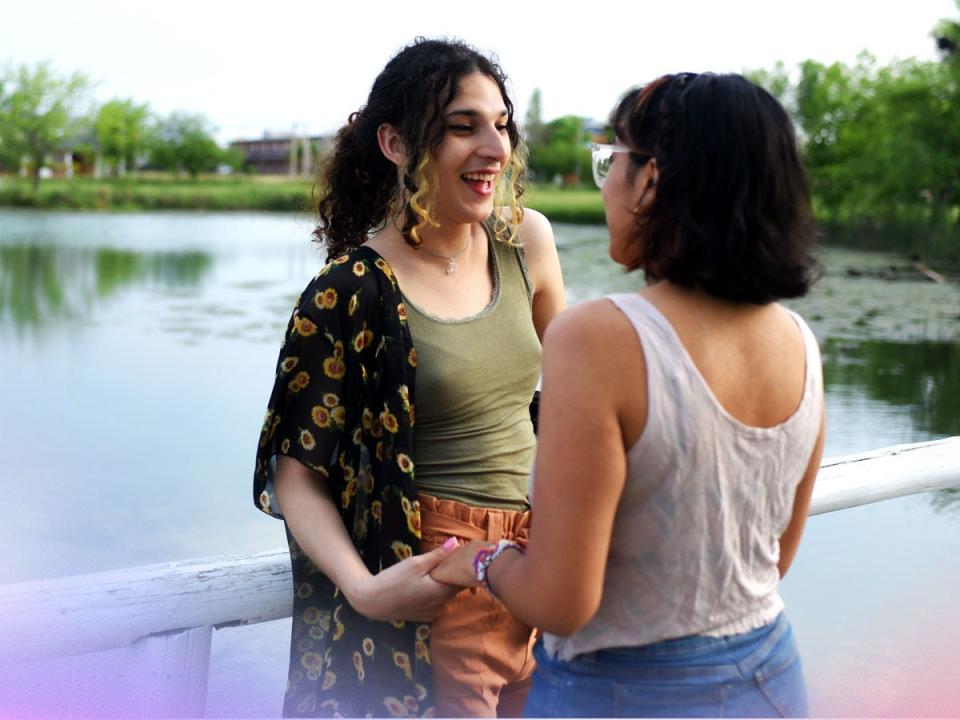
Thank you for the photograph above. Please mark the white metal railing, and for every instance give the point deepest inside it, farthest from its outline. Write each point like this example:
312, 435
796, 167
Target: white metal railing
164, 615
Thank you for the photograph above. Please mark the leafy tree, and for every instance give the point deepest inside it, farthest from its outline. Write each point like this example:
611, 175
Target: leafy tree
233, 158
38, 113
776, 81
882, 145
562, 152
183, 141
830, 106
947, 36
557, 149
918, 139
121, 130
533, 120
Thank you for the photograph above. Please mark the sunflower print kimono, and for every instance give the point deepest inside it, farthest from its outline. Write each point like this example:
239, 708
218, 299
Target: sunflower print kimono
342, 404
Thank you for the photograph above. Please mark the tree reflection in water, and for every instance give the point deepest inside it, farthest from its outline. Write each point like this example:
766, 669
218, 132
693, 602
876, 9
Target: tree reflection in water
43, 285
923, 377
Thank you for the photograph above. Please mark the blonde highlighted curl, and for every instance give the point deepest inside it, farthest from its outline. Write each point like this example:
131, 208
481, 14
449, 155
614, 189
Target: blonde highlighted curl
506, 197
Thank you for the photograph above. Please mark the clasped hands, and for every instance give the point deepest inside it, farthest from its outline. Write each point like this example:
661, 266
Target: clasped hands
456, 568
418, 587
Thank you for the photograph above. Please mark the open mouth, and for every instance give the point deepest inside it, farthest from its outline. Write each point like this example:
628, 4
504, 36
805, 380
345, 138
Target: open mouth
480, 183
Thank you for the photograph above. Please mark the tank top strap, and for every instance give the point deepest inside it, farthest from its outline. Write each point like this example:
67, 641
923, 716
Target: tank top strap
657, 337
814, 371
513, 266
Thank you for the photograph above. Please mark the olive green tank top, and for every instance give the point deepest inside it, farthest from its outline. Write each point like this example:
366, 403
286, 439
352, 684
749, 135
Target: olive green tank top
473, 439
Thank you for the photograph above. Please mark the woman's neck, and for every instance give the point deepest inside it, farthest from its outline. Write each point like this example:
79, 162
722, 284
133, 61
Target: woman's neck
454, 248
448, 239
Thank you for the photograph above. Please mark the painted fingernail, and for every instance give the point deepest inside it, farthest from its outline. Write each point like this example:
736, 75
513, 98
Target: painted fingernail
451, 543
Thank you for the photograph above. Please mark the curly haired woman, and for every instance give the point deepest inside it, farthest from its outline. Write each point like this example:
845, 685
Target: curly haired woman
400, 413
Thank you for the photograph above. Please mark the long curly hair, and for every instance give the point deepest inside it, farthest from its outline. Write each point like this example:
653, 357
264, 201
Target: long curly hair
357, 186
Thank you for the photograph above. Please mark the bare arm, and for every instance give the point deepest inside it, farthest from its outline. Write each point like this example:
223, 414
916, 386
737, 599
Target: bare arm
404, 591
790, 539
543, 266
580, 474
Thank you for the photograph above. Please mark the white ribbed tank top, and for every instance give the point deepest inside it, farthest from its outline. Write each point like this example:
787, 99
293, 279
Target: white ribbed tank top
695, 536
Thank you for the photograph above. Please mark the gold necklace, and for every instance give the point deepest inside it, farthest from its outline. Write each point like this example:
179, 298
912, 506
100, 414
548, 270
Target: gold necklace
451, 259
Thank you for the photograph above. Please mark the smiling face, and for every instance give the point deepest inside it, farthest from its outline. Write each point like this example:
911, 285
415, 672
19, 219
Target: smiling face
474, 152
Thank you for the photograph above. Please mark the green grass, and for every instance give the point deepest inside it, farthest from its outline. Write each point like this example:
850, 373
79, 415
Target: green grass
270, 193
158, 193
569, 205
239, 193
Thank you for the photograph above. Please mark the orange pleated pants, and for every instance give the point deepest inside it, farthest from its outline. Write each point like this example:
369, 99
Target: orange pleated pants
482, 657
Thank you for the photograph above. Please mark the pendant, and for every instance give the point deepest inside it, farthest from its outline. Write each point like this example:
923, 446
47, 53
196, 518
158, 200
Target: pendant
451, 266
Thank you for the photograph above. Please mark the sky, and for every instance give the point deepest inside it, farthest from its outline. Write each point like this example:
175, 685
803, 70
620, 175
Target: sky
262, 66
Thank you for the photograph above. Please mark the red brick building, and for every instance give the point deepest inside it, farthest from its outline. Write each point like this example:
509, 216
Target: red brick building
282, 154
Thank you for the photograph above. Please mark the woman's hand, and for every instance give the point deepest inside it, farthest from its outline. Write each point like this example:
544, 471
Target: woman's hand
457, 567
404, 591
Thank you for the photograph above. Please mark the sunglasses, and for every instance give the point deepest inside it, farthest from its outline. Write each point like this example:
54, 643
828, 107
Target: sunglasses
602, 156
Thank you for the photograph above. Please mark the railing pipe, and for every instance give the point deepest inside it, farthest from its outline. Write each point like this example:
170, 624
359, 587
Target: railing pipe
889, 472
90, 613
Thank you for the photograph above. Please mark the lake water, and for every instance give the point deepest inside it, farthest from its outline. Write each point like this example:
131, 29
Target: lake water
137, 352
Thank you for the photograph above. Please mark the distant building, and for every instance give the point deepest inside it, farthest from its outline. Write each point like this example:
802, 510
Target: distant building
274, 154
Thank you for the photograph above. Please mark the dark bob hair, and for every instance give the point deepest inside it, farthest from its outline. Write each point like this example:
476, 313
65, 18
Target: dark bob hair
357, 186
731, 214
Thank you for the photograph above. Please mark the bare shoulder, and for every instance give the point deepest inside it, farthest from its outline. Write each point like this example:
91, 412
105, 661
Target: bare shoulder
536, 233
593, 360
594, 326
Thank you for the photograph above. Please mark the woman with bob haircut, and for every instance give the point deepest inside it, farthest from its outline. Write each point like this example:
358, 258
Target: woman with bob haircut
400, 415
681, 427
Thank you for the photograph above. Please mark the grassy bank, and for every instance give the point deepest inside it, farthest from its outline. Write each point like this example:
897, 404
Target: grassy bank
579, 206
238, 193
905, 236
157, 193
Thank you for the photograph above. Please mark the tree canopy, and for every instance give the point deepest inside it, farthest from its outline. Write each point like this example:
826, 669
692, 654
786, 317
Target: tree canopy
557, 148
44, 114
882, 146
184, 142
881, 142
122, 133
39, 110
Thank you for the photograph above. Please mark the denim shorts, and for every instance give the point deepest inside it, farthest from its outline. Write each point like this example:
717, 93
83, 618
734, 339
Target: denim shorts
755, 674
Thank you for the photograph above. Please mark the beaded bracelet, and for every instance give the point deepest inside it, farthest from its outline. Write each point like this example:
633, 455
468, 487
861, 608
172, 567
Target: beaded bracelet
485, 557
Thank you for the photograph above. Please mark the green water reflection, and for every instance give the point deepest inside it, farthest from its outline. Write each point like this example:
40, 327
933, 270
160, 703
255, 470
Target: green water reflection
45, 283
41, 285
921, 377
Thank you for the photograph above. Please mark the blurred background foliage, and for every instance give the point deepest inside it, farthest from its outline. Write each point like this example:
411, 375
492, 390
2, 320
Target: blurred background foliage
881, 142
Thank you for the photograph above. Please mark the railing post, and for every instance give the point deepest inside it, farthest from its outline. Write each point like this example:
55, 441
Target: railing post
166, 675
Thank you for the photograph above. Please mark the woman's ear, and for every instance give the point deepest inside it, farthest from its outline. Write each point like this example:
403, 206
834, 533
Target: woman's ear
654, 172
391, 145
646, 186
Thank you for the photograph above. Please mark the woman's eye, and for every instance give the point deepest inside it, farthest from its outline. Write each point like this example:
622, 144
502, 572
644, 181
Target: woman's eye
501, 128
460, 128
